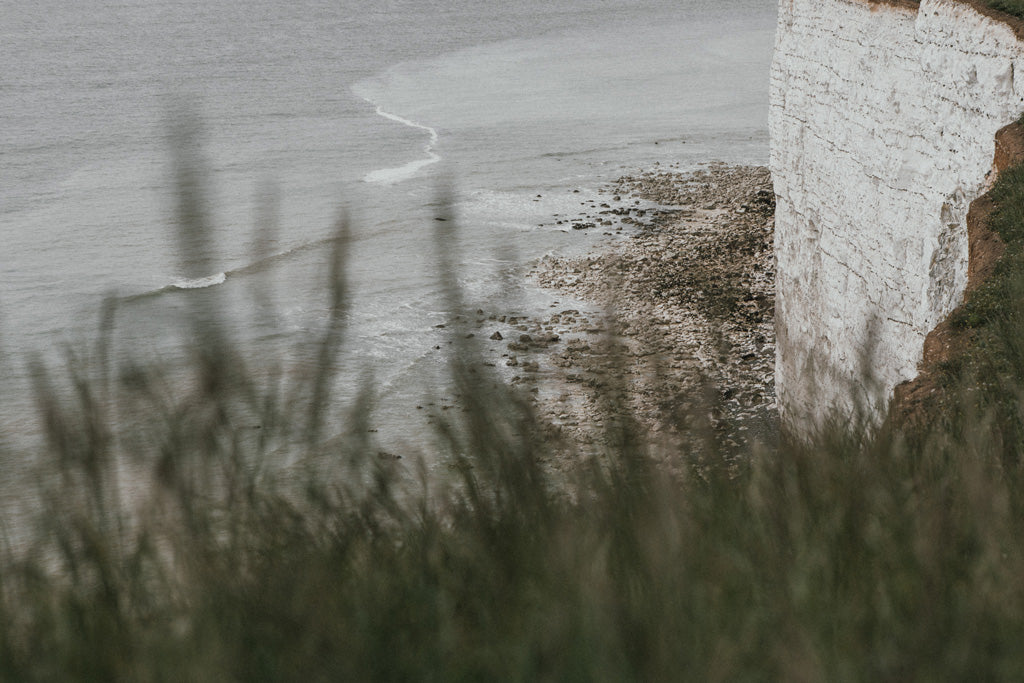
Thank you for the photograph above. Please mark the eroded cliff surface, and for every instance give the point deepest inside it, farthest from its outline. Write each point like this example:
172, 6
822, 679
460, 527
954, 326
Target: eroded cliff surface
883, 119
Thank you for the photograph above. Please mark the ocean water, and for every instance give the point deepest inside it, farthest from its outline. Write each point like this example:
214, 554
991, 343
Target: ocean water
314, 109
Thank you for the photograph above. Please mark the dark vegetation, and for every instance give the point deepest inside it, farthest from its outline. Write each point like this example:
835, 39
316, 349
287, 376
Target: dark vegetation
1014, 7
853, 558
987, 376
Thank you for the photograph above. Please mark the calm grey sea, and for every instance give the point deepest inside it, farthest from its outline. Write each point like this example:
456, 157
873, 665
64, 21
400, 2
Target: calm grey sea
366, 107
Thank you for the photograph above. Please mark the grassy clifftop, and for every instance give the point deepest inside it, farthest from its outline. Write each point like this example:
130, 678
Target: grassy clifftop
1014, 7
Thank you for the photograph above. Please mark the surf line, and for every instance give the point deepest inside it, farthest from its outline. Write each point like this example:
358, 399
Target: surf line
200, 282
177, 286
400, 173
220, 278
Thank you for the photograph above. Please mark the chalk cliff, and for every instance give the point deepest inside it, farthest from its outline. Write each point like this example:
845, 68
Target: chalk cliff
883, 119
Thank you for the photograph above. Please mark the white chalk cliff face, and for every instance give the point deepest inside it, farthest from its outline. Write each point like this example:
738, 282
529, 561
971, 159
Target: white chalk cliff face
882, 126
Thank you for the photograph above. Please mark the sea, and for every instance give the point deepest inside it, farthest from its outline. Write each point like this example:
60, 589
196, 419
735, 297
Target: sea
500, 117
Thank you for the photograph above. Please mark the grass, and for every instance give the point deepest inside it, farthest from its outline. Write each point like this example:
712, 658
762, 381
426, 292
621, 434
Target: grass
854, 558
987, 377
1014, 7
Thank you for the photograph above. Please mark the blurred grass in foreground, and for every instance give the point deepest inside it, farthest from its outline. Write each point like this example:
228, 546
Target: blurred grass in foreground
850, 559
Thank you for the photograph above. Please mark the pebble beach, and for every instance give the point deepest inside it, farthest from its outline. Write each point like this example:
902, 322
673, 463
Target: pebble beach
679, 318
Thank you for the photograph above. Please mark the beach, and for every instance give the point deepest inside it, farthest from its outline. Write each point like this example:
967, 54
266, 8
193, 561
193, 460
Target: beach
680, 318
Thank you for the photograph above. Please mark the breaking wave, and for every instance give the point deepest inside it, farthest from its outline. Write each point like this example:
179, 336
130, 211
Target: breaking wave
406, 171
200, 282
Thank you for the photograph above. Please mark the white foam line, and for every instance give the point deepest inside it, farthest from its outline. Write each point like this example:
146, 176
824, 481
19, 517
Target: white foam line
400, 173
201, 282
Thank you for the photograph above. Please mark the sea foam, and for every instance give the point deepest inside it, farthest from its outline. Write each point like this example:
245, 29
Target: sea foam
200, 282
406, 171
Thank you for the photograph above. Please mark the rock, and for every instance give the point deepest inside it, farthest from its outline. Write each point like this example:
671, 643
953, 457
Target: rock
704, 266
497, 336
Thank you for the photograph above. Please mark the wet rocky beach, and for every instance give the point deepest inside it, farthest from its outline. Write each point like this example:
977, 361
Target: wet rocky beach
668, 321
677, 320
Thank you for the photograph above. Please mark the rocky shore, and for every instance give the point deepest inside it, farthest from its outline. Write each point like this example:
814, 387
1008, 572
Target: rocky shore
686, 337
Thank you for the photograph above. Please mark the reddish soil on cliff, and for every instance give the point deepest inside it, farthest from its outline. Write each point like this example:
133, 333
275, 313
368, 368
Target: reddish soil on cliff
915, 402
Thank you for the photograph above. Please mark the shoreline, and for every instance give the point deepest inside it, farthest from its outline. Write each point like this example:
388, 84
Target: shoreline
689, 334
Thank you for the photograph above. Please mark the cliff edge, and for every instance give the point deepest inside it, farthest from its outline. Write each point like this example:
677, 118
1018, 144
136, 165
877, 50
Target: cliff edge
883, 120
